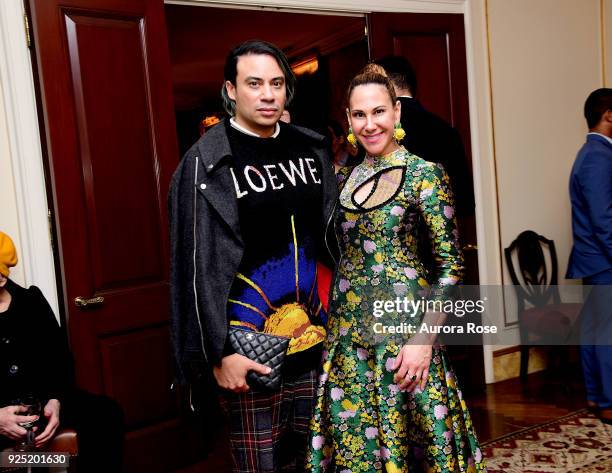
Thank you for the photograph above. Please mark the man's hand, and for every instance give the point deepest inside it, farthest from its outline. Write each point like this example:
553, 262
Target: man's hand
10, 420
51, 412
231, 374
413, 362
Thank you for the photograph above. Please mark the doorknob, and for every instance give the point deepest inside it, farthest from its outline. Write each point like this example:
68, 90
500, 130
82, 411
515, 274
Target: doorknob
470, 247
83, 302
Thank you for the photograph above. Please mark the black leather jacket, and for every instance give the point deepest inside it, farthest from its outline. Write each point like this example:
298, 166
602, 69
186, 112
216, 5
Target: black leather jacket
206, 246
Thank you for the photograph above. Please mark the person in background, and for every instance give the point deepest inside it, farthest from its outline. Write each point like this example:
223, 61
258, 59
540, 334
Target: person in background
590, 191
344, 154
286, 116
22, 373
35, 362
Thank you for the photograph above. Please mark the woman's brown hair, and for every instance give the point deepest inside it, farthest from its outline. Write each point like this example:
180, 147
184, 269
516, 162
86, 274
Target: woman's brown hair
372, 74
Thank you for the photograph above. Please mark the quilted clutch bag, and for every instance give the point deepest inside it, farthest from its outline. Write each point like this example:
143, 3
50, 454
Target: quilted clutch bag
265, 349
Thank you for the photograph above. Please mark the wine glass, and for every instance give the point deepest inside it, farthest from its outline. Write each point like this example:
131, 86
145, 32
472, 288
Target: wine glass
32, 407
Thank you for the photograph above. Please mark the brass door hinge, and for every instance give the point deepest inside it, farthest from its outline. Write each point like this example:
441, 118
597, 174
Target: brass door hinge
50, 228
26, 23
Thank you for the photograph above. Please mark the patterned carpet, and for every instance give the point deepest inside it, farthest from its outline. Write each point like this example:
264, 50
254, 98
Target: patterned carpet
578, 442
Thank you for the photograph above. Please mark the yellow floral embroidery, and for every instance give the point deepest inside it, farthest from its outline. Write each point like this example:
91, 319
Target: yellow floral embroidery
353, 298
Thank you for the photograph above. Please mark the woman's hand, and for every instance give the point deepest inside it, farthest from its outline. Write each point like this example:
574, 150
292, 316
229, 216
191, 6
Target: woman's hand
413, 362
10, 418
52, 413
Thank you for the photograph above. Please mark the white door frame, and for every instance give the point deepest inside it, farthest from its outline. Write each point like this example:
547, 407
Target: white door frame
348, 6
17, 83
26, 157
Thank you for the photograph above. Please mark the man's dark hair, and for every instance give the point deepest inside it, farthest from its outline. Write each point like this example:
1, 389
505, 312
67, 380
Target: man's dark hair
400, 71
255, 46
597, 103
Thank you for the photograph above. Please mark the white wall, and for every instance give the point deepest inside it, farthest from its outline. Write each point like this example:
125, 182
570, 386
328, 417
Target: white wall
545, 58
9, 222
606, 6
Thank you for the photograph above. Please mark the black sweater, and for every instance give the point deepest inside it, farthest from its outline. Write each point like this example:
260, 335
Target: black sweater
34, 356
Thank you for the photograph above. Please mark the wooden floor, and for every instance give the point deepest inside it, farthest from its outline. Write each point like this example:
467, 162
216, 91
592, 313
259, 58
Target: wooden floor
501, 409
508, 406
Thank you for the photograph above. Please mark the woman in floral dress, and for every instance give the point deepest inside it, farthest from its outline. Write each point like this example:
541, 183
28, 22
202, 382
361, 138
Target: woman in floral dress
387, 405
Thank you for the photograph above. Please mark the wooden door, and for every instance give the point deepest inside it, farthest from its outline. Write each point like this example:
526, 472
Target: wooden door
106, 94
435, 45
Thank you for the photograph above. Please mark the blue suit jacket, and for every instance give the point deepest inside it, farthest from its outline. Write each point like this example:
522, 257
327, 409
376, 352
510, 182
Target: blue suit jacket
591, 197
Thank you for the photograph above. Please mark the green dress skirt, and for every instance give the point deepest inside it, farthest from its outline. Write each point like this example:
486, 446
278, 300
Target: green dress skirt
362, 421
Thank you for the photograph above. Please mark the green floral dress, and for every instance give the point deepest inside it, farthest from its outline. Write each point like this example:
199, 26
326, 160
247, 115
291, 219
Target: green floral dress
362, 421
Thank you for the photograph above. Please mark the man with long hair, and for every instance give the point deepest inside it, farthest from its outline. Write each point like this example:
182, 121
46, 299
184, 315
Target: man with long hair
249, 204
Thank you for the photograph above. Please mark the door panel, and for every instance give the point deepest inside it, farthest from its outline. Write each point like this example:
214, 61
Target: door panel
125, 367
435, 45
429, 52
114, 123
106, 93
113, 117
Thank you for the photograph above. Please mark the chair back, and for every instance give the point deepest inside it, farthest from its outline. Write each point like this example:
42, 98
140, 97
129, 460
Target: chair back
535, 282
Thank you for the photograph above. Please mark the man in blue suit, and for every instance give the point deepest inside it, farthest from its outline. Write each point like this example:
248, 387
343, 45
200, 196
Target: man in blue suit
591, 257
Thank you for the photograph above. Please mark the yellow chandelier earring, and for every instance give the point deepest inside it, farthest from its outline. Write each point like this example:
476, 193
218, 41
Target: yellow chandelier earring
398, 133
351, 137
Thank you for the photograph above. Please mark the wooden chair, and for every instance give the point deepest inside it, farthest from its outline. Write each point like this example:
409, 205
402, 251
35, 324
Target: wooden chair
65, 441
547, 320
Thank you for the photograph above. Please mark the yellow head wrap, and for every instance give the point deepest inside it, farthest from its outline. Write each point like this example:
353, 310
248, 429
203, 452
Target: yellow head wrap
8, 254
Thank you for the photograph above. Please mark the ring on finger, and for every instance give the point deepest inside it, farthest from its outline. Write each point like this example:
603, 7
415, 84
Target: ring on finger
411, 378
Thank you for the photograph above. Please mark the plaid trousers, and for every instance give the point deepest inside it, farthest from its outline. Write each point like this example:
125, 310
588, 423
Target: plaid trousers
269, 430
